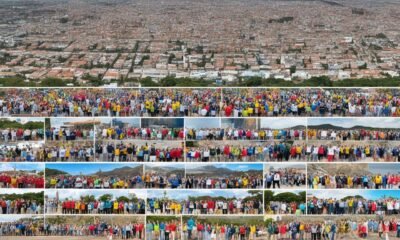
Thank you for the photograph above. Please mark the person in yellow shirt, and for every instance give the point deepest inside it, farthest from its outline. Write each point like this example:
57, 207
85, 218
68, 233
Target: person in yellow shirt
117, 153
253, 230
245, 182
53, 182
378, 181
115, 206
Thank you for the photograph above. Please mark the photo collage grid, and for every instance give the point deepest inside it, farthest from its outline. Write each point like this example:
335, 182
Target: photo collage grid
199, 163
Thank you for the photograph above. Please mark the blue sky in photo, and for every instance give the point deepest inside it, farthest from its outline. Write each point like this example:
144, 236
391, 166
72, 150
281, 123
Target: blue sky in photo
368, 194
234, 166
78, 168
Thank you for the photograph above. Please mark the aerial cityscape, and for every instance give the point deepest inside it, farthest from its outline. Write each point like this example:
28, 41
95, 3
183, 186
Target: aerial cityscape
203, 43
199, 120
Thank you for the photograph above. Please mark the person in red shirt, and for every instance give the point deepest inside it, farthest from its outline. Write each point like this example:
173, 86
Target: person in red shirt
242, 232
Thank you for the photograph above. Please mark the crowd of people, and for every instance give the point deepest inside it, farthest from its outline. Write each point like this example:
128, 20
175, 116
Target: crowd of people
20, 206
282, 208
163, 230
67, 152
126, 133
353, 205
200, 102
69, 134
270, 152
359, 181
20, 134
94, 182
209, 206
352, 152
25, 153
310, 102
244, 134
103, 229
110, 102
129, 152
95, 206
229, 182
158, 180
285, 178
201, 230
334, 229
353, 134
24, 228
18, 180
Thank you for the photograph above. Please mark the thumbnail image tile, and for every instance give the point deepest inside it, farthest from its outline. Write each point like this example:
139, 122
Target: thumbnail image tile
353, 129
70, 129
285, 175
245, 151
353, 176
224, 176
22, 201
281, 202
223, 227
21, 175
16, 130
21, 226
164, 175
69, 151
331, 227
199, 202
94, 227
163, 227
119, 201
139, 151
340, 202
23, 152
349, 151
94, 176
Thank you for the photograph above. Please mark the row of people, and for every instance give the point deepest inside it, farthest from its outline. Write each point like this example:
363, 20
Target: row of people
21, 181
210, 206
244, 134
69, 134
110, 102
362, 181
123, 152
125, 133
20, 206
94, 182
353, 134
353, 205
95, 207
20, 134
310, 102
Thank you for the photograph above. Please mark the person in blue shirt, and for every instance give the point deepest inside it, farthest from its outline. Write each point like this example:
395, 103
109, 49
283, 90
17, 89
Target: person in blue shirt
190, 225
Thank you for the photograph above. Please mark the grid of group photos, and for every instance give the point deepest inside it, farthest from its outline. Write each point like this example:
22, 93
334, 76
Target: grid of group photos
200, 163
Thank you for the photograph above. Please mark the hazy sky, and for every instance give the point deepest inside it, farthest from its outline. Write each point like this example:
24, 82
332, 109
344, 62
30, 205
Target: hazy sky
77, 193
21, 166
202, 123
279, 123
350, 122
184, 194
